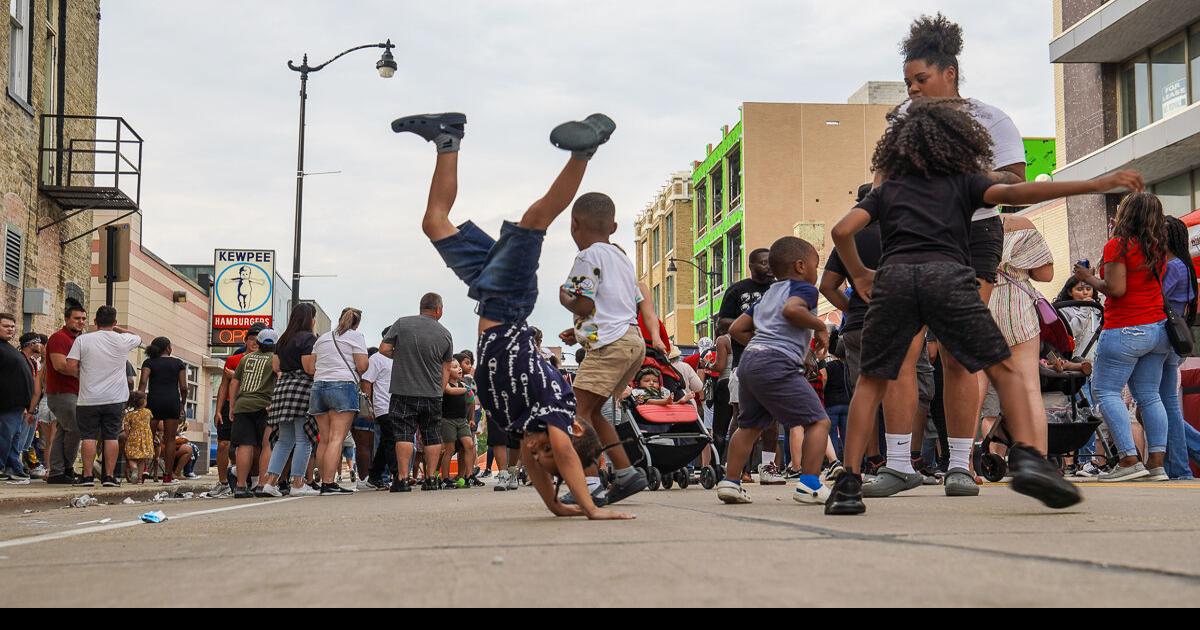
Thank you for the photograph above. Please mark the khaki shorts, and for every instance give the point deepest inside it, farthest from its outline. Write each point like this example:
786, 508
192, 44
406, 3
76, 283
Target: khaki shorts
609, 370
455, 429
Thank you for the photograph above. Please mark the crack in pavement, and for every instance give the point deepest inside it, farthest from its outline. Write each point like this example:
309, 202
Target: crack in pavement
835, 534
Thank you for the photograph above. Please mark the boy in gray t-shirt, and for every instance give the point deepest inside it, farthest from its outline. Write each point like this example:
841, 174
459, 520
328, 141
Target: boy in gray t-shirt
777, 333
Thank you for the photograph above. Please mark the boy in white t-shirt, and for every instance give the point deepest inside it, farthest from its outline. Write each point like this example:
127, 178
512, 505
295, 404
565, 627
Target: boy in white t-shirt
602, 293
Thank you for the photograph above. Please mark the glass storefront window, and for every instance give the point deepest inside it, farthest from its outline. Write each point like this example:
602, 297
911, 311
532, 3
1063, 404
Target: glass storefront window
1176, 195
1135, 96
1169, 94
1194, 53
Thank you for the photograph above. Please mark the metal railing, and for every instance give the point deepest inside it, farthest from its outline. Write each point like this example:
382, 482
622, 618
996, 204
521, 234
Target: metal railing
90, 152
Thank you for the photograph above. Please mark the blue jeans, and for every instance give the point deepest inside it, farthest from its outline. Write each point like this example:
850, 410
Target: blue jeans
12, 426
1177, 452
294, 443
21, 443
1134, 355
1193, 443
500, 275
838, 415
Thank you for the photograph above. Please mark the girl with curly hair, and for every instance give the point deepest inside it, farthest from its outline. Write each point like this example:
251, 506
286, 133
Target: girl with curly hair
1133, 348
925, 209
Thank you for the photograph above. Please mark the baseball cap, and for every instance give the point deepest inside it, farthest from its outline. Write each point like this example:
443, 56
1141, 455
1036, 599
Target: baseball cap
256, 328
267, 337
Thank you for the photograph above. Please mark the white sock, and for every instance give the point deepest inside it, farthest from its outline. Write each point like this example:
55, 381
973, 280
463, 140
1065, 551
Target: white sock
593, 484
898, 452
768, 458
960, 453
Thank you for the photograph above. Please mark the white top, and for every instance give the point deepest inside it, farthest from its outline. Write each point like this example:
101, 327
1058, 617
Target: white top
603, 273
336, 363
1008, 147
102, 356
379, 375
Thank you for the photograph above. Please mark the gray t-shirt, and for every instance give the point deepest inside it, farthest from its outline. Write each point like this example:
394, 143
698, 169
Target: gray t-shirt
772, 329
422, 347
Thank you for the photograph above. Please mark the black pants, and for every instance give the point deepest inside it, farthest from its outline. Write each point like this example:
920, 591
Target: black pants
385, 453
937, 409
722, 415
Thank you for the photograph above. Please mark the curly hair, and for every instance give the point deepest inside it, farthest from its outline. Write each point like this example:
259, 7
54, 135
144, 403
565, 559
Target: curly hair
1140, 221
933, 138
935, 40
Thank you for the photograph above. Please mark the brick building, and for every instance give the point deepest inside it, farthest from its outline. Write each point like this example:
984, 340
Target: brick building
48, 73
664, 232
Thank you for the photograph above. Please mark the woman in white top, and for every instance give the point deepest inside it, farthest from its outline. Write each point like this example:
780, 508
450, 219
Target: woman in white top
341, 359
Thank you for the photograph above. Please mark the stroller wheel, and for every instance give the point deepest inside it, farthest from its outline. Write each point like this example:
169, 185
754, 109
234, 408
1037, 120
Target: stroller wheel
656, 480
668, 482
993, 467
708, 478
685, 479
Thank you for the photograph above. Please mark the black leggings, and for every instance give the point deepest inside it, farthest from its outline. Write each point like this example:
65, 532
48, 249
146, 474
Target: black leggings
722, 416
937, 410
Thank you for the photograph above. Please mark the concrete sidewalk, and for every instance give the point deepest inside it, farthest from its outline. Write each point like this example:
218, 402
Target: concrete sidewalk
39, 496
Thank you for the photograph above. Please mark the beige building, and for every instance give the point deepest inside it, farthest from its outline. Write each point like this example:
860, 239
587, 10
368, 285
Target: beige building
48, 73
160, 301
785, 168
664, 232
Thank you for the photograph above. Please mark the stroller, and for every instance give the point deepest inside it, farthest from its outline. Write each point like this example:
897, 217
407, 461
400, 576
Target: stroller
663, 441
1068, 432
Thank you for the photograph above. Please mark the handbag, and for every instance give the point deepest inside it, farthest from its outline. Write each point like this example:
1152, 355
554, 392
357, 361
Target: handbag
1178, 331
366, 406
1055, 332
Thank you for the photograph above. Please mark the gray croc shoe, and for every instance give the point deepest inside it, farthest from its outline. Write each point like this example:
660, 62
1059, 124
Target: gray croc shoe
446, 130
960, 483
890, 482
582, 138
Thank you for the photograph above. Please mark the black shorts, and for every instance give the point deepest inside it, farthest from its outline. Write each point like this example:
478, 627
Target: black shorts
165, 409
498, 437
943, 296
249, 428
225, 429
100, 422
411, 414
987, 247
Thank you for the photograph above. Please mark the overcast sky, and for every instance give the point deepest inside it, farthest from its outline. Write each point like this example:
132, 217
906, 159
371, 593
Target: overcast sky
206, 85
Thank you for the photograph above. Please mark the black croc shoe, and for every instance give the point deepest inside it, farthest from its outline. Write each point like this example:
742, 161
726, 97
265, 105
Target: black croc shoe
444, 129
583, 136
846, 496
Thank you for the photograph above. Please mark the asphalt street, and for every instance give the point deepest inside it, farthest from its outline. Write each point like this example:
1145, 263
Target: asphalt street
1127, 545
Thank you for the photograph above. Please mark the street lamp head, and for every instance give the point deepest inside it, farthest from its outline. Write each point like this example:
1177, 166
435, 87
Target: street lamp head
671, 268
387, 63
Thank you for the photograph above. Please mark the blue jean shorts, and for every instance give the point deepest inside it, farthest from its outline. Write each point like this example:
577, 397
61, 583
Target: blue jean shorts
500, 275
365, 424
333, 397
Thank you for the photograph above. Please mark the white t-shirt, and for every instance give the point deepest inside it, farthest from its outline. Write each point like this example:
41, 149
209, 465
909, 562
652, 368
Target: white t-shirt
336, 363
603, 273
102, 356
379, 375
1008, 147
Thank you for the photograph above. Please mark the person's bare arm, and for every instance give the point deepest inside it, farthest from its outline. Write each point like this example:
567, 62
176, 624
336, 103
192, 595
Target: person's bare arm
854, 222
71, 368
144, 383
796, 312
578, 305
183, 387
742, 330
649, 312
1029, 193
235, 386
544, 484
1045, 273
275, 364
724, 352
1115, 281
361, 363
831, 287
309, 363
1011, 174
222, 396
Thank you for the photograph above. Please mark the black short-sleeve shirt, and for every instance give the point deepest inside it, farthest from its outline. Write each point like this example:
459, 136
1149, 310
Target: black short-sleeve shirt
297, 346
164, 379
870, 247
739, 299
927, 219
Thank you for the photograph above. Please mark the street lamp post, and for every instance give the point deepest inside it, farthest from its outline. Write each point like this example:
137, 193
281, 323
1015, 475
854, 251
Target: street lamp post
387, 69
711, 275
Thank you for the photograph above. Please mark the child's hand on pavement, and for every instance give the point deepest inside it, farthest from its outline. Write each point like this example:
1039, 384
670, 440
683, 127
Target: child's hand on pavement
609, 515
566, 511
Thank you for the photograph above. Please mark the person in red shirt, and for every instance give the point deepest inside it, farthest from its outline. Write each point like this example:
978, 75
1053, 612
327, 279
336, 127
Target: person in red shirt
62, 394
1134, 345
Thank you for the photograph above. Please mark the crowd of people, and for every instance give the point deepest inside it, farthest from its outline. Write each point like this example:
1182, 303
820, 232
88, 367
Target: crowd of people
943, 339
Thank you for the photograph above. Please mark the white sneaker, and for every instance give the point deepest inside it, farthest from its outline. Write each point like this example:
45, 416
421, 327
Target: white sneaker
808, 496
514, 482
304, 491
731, 493
220, 491
769, 475
272, 491
38, 473
502, 481
364, 486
